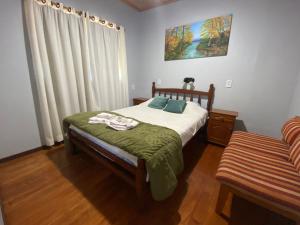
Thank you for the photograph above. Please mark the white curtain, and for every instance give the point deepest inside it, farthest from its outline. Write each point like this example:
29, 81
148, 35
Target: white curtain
79, 65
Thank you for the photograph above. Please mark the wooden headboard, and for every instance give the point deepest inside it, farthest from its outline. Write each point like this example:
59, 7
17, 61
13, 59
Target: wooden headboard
192, 94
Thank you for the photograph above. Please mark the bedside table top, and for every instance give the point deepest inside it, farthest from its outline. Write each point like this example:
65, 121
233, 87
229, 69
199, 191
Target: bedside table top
225, 112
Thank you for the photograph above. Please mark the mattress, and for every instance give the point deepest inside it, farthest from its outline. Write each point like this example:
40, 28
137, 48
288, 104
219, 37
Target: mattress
186, 124
131, 159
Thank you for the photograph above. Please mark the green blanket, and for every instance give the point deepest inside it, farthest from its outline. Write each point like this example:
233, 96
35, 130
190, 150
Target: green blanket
160, 147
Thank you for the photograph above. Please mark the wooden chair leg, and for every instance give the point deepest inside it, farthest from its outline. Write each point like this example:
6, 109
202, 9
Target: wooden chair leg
223, 196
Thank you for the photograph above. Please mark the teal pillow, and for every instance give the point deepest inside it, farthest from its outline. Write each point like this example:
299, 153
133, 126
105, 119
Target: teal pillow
158, 102
175, 106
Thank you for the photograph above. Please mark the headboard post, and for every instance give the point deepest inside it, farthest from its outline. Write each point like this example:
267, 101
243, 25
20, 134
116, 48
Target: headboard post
211, 93
153, 89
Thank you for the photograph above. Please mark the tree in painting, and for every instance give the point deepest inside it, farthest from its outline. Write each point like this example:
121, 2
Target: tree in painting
202, 39
177, 40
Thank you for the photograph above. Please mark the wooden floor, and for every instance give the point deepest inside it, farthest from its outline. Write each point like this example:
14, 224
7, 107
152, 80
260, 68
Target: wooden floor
52, 187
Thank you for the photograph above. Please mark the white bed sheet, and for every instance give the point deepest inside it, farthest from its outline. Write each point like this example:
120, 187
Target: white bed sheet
186, 124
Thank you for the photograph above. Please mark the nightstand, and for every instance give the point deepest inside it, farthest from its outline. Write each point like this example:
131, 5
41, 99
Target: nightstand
220, 126
137, 101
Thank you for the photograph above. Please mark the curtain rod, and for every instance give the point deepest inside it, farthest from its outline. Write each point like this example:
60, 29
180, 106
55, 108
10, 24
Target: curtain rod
71, 10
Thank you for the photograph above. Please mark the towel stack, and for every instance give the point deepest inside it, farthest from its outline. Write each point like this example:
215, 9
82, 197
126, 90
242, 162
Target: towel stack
114, 121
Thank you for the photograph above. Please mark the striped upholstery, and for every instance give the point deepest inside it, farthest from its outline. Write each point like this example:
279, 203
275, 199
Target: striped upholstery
295, 154
261, 166
290, 130
260, 143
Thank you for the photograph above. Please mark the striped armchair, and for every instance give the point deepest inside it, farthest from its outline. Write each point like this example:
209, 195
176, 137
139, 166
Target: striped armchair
263, 170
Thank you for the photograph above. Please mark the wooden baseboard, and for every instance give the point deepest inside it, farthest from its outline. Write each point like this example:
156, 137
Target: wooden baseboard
12, 157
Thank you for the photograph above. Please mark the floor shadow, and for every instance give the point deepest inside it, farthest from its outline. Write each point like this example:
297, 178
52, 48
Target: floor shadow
114, 198
240, 214
240, 125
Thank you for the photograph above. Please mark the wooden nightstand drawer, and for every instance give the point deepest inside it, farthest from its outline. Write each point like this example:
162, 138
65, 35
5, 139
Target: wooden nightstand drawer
137, 101
221, 118
227, 124
220, 126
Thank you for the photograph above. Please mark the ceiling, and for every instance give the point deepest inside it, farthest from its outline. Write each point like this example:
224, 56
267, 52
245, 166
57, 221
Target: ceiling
142, 5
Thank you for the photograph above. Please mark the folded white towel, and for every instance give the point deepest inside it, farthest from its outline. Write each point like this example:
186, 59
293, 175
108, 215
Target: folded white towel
101, 118
106, 116
97, 120
122, 123
114, 121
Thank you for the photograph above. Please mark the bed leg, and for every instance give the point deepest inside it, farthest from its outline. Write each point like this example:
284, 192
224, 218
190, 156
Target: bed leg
69, 145
140, 183
73, 148
223, 196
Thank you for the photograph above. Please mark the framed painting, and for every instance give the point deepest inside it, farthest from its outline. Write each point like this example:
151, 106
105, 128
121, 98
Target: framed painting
206, 38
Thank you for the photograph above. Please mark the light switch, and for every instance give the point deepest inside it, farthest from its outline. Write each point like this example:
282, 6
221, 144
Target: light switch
159, 81
228, 83
133, 87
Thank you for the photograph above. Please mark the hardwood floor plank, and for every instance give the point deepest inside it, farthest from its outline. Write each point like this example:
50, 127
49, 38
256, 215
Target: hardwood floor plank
55, 188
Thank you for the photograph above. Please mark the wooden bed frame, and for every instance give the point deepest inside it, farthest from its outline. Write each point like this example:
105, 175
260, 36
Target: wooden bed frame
135, 176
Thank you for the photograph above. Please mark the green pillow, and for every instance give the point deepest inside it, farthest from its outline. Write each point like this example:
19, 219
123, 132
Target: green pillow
158, 102
175, 106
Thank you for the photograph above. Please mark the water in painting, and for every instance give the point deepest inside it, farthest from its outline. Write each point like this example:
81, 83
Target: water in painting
202, 39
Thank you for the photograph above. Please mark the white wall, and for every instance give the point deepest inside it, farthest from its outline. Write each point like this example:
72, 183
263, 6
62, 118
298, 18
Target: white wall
295, 104
18, 121
18, 124
262, 60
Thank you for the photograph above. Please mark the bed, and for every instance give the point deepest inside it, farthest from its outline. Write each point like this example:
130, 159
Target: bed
129, 167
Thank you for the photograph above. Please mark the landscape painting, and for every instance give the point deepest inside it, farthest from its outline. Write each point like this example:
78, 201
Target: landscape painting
202, 39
